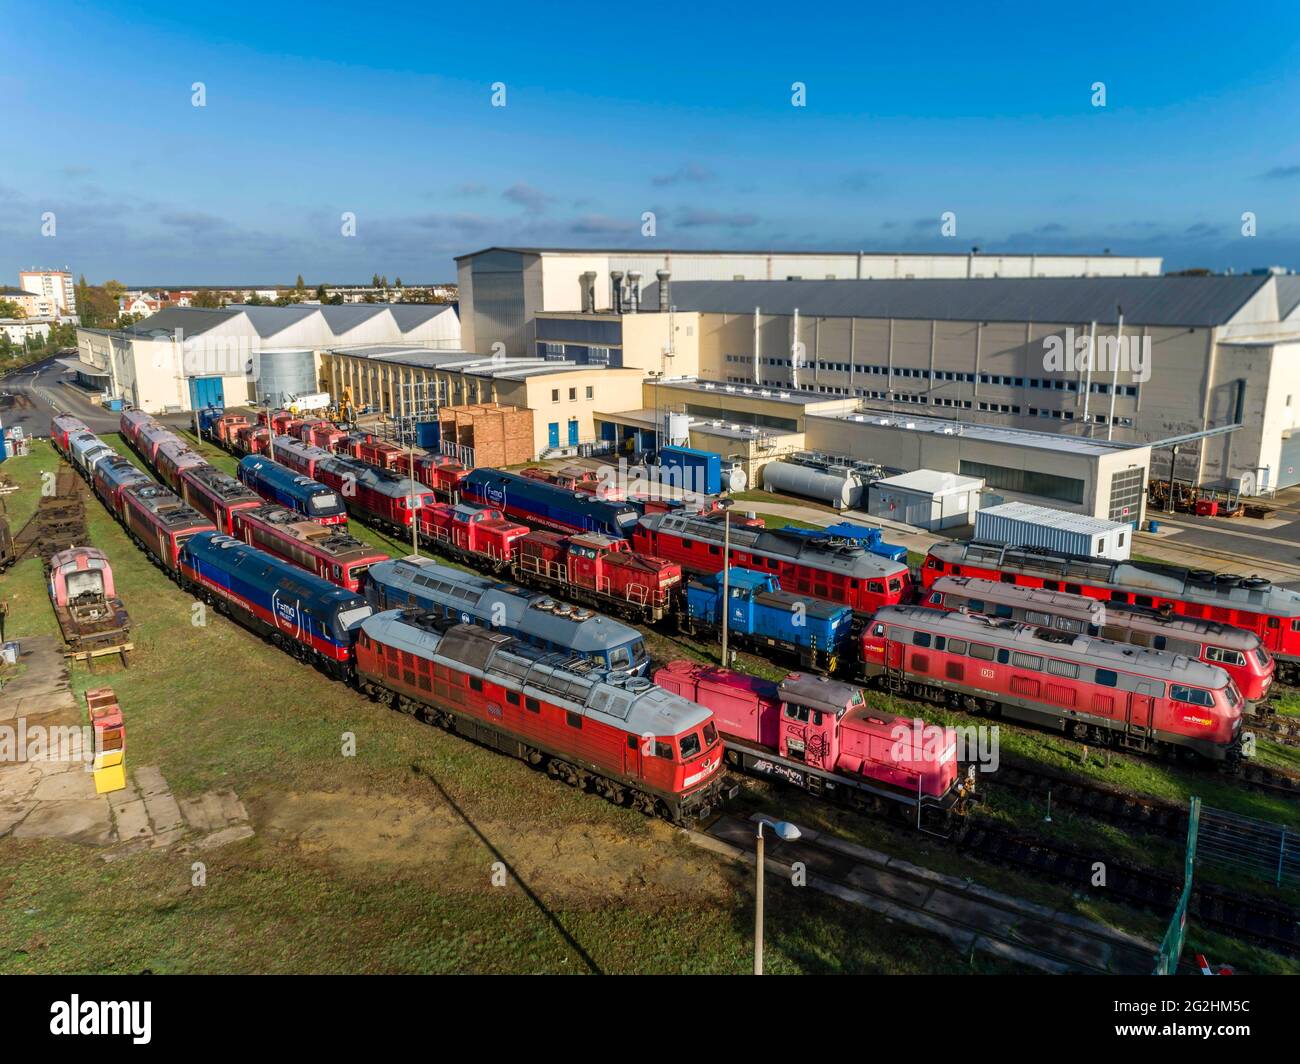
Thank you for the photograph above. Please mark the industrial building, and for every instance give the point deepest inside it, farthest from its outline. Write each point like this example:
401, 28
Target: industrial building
505, 291
1209, 364
1094, 477
415, 383
184, 357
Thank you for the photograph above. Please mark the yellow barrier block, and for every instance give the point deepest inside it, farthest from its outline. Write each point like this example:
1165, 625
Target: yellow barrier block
109, 758
110, 779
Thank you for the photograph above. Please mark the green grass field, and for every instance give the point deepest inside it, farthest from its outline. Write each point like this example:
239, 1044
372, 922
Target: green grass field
382, 861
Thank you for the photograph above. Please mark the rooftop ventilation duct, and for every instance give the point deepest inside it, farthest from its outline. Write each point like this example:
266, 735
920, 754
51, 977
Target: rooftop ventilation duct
665, 297
634, 291
588, 283
616, 290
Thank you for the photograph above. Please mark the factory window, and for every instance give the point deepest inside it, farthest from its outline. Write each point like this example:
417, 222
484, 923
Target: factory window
591, 391
1026, 481
573, 394
555, 395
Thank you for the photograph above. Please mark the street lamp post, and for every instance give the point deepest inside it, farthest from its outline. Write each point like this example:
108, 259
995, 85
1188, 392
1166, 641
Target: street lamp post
726, 577
786, 832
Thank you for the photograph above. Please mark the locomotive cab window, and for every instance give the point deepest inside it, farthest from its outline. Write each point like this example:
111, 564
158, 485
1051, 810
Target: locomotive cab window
690, 745
876, 587
936, 599
1193, 695
878, 630
920, 639
803, 714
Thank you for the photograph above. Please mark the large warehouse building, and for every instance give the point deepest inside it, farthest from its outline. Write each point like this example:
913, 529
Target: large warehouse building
503, 290
183, 358
1194, 357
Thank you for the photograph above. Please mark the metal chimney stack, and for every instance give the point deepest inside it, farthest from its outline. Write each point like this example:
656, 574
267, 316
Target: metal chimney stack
616, 290
634, 291
665, 300
588, 283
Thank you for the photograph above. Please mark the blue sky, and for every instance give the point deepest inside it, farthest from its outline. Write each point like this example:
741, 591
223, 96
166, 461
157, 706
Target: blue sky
682, 109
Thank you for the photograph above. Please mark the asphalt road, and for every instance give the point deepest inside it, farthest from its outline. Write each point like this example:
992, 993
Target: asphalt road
32, 395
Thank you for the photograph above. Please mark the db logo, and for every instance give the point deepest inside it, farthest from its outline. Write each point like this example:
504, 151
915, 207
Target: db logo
987, 673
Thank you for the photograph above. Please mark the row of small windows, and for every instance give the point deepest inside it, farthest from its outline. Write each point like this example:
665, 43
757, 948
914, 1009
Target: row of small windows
1052, 666
1048, 384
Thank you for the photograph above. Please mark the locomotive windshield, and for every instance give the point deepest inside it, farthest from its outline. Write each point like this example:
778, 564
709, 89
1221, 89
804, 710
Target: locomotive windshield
324, 503
350, 617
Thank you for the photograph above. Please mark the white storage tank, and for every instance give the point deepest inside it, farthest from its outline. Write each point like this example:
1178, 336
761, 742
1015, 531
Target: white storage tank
927, 498
840, 487
1021, 524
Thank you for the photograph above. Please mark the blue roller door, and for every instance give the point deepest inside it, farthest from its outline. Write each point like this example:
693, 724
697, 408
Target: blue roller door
206, 391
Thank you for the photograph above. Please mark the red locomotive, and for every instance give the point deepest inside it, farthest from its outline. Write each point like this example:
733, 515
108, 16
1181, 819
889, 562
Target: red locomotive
1091, 689
1252, 603
172, 458
160, 522
844, 574
577, 478
225, 427
437, 471
629, 741
1238, 652
323, 434
62, 428
822, 736
301, 457
130, 423
216, 495
251, 439
372, 494
379, 453
325, 550
482, 536
600, 571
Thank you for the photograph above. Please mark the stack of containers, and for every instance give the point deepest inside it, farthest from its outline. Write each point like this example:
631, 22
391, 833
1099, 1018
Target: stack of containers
110, 739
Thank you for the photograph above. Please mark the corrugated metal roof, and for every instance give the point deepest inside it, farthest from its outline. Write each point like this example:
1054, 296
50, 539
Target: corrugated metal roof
1050, 518
1288, 295
776, 253
1191, 301
190, 320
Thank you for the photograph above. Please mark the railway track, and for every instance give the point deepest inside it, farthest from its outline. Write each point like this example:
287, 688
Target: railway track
1259, 920
59, 521
1094, 800
1277, 727
972, 918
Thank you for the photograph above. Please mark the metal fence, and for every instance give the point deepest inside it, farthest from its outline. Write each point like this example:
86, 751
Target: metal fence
1267, 851
1171, 947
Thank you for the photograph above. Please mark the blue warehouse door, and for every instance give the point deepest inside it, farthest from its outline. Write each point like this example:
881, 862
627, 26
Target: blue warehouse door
206, 391
553, 434
573, 431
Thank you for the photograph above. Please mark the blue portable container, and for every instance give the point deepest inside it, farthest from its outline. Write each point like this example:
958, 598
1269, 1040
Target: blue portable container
869, 539
761, 615
280, 484
691, 469
547, 505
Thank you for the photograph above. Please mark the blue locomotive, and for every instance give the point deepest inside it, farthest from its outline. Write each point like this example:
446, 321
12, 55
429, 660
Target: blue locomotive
546, 505
310, 617
762, 616
527, 615
847, 534
281, 485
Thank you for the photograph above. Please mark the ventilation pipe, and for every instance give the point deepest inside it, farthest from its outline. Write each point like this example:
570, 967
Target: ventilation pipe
616, 291
758, 373
1114, 378
665, 300
794, 351
634, 291
588, 282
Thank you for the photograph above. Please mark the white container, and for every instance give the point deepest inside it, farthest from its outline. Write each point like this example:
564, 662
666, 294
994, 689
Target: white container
926, 498
9, 653
1020, 524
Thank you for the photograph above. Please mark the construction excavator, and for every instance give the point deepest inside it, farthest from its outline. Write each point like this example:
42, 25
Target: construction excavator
342, 412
